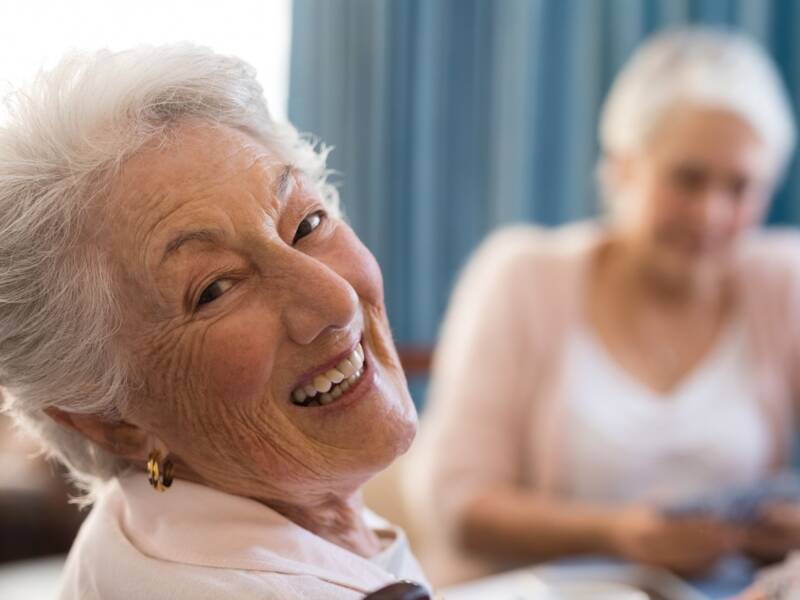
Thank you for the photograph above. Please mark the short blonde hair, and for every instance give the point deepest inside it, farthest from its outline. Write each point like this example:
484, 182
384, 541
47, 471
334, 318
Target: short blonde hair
706, 67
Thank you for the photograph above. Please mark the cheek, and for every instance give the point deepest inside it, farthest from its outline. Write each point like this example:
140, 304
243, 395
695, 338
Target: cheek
659, 211
750, 214
651, 202
356, 264
675, 212
238, 356
669, 203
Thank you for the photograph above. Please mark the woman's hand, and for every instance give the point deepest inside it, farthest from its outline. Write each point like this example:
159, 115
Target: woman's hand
780, 582
753, 593
775, 534
687, 546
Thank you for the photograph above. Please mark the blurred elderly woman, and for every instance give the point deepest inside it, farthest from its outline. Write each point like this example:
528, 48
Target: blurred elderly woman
182, 310
591, 375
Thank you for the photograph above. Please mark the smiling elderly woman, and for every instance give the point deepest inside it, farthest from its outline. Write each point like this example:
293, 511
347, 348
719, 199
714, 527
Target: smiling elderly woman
182, 310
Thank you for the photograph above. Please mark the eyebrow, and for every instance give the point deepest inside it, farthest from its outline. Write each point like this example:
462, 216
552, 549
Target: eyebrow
208, 236
214, 236
285, 183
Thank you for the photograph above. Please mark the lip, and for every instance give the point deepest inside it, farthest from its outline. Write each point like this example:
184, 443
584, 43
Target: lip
325, 367
699, 246
352, 395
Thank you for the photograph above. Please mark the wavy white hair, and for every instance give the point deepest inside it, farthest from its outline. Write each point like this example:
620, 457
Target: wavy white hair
711, 68
61, 142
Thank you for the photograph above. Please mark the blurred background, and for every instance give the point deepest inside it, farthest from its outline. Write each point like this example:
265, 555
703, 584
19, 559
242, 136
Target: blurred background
453, 117
449, 118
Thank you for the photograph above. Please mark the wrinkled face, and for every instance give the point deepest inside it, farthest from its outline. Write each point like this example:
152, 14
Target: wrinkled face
704, 179
244, 301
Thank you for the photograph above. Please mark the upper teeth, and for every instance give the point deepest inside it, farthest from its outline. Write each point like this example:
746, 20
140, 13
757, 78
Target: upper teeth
328, 386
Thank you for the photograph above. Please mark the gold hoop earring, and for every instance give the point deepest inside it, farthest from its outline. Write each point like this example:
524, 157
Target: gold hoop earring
160, 477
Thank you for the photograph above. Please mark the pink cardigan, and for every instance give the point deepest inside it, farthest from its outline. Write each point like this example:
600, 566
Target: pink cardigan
492, 417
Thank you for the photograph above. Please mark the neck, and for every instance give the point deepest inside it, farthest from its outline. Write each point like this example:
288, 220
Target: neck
642, 278
338, 520
336, 516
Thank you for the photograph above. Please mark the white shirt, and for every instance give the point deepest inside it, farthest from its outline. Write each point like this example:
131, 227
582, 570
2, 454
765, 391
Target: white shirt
628, 443
195, 543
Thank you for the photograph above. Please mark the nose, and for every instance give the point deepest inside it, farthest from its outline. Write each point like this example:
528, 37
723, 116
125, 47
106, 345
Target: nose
714, 210
318, 300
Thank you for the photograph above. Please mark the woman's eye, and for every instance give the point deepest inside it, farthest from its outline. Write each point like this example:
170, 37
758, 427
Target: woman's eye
307, 225
214, 291
738, 187
689, 179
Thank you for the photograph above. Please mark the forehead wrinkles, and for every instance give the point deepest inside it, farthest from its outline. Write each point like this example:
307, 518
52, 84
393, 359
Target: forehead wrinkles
170, 188
203, 174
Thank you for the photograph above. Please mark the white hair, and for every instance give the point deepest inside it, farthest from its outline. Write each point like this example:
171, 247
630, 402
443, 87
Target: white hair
61, 142
710, 68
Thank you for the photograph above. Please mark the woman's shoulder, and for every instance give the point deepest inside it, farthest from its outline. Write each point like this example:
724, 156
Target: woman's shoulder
105, 562
770, 262
772, 244
527, 239
769, 279
528, 250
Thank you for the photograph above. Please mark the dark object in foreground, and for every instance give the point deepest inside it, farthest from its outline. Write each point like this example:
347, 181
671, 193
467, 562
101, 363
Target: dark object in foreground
404, 590
36, 523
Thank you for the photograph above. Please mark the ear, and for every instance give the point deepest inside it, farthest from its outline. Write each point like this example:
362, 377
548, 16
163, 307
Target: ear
119, 438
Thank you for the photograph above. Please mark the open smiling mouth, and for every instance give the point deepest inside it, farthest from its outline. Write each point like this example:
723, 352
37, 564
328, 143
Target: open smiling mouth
326, 388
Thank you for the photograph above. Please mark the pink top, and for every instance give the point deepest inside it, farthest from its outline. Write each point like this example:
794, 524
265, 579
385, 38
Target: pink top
494, 414
194, 543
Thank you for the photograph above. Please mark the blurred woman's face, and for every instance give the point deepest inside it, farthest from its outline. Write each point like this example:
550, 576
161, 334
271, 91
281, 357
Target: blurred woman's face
704, 179
256, 322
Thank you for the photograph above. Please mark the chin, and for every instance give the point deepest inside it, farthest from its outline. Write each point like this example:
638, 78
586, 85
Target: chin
679, 267
396, 427
391, 420
395, 411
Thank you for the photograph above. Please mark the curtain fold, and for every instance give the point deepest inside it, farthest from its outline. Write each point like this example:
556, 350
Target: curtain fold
452, 117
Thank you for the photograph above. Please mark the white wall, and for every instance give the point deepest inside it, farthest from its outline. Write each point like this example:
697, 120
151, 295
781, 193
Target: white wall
36, 33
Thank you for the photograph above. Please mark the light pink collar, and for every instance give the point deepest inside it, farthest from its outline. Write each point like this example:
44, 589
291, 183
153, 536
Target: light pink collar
197, 525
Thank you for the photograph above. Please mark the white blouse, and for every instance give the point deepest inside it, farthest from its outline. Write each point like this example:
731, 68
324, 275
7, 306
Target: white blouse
629, 443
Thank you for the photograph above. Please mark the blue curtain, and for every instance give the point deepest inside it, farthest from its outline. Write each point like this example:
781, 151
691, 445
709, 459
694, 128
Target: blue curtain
452, 117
